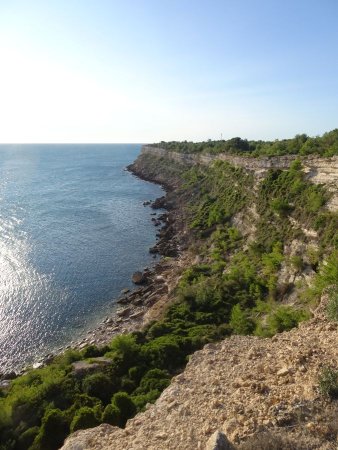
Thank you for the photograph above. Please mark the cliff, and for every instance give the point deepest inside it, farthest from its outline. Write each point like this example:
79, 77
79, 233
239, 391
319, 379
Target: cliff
256, 390
318, 170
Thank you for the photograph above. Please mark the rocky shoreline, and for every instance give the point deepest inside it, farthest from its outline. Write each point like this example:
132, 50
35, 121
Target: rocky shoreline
136, 307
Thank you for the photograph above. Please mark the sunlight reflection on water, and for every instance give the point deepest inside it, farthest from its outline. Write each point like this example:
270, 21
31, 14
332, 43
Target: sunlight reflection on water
72, 230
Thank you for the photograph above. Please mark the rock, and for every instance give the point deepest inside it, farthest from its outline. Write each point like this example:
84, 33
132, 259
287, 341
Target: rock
124, 312
5, 384
9, 376
48, 358
123, 301
218, 441
136, 315
159, 203
81, 368
125, 291
138, 278
283, 372
37, 365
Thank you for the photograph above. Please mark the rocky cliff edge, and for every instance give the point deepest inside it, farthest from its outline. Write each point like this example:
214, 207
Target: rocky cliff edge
243, 386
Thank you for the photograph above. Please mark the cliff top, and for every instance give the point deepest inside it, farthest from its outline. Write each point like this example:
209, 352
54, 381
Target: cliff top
302, 145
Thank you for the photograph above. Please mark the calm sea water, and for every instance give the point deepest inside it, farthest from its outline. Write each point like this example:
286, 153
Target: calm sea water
72, 231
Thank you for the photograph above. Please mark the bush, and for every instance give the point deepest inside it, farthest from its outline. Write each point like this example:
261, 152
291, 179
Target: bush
91, 352
141, 400
328, 382
154, 379
53, 431
284, 318
135, 373
297, 262
85, 400
281, 206
127, 349
328, 274
332, 305
240, 321
125, 405
27, 438
85, 417
98, 385
163, 352
111, 415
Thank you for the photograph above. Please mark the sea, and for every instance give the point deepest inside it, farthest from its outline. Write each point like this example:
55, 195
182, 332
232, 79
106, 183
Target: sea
73, 229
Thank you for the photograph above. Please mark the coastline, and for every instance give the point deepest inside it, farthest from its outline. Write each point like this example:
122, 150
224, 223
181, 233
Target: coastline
137, 307
146, 302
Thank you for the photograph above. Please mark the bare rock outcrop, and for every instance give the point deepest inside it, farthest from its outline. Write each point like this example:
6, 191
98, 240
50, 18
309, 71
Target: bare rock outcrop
241, 386
318, 170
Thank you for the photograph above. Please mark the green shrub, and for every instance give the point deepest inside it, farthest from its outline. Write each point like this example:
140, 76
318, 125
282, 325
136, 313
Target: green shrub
202, 334
68, 357
312, 254
164, 352
328, 382
281, 206
328, 274
332, 305
125, 405
136, 373
284, 318
141, 400
111, 415
240, 321
27, 438
127, 349
98, 385
91, 352
53, 431
81, 400
297, 262
154, 379
127, 384
84, 417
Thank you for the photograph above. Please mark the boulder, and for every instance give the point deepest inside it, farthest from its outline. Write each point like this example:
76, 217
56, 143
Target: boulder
138, 278
159, 203
218, 441
82, 368
5, 385
9, 376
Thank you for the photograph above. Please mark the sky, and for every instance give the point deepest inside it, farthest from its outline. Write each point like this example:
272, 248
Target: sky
105, 71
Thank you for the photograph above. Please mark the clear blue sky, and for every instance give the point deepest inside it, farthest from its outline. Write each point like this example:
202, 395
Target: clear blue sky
145, 70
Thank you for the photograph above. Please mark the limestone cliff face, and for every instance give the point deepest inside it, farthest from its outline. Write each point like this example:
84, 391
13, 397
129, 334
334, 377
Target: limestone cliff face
318, 170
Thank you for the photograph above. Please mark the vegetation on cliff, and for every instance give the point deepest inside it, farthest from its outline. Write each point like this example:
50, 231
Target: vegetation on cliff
325, 145
235, 288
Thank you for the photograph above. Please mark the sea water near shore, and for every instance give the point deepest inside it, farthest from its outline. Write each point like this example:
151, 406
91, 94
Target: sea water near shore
73, 229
